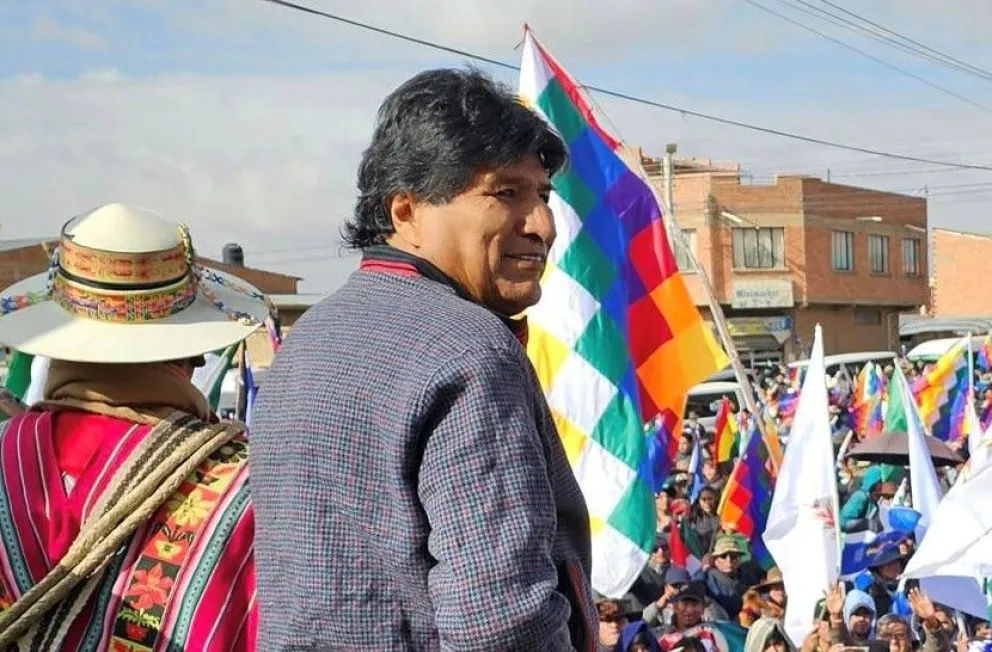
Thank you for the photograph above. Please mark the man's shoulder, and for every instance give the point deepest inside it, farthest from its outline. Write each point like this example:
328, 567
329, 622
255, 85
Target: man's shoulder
414, 308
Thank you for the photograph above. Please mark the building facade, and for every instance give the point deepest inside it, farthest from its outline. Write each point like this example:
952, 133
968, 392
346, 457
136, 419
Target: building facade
959, 259
784, 256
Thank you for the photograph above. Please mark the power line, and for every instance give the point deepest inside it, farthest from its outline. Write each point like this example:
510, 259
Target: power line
883, 62
632, 98
981, 72
846, 23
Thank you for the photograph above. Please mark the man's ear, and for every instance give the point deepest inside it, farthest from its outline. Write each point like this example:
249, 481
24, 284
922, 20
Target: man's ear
403, 213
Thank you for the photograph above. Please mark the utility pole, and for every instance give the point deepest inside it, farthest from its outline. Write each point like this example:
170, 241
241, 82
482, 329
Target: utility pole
677, 241
668, 172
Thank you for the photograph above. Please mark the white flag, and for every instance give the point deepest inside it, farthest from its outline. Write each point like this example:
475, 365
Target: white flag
39, 377
924, 486
950, 585
956, 554
802, 532
975, 433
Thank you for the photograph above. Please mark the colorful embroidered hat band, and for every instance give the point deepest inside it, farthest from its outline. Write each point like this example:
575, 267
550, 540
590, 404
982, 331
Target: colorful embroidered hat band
130, 288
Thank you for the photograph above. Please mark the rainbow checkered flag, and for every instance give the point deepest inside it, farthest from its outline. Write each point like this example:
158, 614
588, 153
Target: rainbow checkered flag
616, 340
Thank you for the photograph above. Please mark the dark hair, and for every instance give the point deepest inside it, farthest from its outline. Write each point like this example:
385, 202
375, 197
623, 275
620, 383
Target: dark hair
690, 644
433, 134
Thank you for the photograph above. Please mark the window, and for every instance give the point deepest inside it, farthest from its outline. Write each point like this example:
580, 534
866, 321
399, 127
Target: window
878, 254
759, 248
867, 317
684, 255
843, 251
911, 257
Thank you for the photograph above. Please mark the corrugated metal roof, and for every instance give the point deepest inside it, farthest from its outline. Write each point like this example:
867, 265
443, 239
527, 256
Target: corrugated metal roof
21, 243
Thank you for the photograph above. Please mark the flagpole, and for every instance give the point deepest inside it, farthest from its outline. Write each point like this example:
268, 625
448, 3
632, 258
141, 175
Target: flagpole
971, 370
676, 238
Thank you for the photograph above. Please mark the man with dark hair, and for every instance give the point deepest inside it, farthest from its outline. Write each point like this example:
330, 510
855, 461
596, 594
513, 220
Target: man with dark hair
413, 493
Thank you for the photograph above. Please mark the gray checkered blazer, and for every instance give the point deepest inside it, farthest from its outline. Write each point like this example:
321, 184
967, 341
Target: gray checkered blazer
410, 489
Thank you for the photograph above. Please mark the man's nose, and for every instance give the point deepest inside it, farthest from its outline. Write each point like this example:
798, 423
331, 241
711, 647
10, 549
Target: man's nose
540, 221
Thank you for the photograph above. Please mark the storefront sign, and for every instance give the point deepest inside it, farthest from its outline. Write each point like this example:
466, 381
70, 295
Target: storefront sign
758, 326
762, 293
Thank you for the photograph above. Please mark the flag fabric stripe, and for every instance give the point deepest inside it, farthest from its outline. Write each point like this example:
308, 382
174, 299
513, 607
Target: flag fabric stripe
726, 444
616, 339
867, 402
557, 72
18, 374
983, 360
748, 496
941, 393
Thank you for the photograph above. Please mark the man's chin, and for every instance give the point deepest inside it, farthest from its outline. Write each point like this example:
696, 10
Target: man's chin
524, 300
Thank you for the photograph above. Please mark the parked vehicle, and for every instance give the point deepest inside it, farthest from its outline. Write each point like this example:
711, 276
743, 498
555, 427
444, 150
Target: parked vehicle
705, 399
931, 350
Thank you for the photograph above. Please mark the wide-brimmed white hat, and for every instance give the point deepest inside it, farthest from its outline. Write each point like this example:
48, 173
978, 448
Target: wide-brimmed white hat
123, 286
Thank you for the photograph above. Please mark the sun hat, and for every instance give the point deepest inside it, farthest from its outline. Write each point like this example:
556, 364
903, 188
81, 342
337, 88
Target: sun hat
772, 578
726, 545
123, 286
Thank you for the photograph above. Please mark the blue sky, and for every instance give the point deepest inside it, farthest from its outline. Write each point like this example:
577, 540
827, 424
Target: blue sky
246, 119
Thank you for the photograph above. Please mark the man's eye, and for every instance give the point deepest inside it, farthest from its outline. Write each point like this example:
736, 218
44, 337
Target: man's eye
506, 193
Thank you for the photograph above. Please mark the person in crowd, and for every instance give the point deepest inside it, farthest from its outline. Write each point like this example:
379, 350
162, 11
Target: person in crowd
663, 509
662, 609
726, 580
692, 427
896, 630
860, 511
819, 639
432, 504
684, 454
938, 623
884, 580
138, 534
854, 624
765, 600
689, 644
713, 476
851, 616
688, 606
981, 629
703, 519
637, 637
613, 618
859, 616
848, 481
650, 584
767, 635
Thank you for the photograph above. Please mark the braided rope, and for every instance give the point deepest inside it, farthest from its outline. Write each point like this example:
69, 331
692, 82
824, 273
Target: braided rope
144, 487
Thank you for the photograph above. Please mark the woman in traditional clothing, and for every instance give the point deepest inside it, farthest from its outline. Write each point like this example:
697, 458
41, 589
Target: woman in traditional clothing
125, 521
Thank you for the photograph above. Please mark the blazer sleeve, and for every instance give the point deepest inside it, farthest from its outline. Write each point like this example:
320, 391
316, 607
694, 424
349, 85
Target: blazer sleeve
485, 490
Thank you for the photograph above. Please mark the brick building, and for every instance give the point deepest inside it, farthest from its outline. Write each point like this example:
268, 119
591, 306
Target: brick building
959, 259
785, 256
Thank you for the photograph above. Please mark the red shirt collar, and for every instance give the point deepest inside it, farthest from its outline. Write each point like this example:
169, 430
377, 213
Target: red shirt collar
390, 260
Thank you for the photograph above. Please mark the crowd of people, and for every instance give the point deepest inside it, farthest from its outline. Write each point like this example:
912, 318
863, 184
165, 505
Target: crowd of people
729, 598
408, 485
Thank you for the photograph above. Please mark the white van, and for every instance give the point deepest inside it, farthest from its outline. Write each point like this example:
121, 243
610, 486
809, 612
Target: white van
853, 361
931, 350
705, 398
